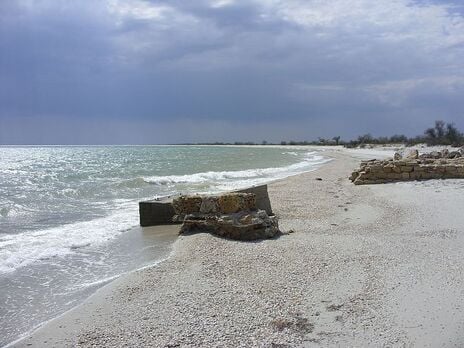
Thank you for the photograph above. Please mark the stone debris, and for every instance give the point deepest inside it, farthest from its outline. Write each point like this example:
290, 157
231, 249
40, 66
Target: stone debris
414, 166
229, 215
412, 154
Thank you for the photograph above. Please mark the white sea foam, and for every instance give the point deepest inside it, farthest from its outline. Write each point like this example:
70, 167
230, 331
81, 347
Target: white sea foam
240, 177
19, 250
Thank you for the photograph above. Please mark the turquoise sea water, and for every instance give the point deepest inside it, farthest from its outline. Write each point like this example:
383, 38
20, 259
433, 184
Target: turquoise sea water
68, 215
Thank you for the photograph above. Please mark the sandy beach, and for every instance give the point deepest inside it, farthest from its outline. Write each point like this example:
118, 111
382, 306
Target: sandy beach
364, 266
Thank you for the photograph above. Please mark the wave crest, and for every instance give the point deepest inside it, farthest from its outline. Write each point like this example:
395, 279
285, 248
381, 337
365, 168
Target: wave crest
310, 163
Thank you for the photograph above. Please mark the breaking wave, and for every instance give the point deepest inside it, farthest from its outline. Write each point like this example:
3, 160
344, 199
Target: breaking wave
19, 250
240, 177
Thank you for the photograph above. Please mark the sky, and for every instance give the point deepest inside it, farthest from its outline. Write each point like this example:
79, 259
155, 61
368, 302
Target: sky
151, 71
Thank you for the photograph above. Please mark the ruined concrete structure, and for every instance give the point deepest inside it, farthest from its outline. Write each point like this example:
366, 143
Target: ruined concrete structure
160, 211
243, 215
434, 165
229, 215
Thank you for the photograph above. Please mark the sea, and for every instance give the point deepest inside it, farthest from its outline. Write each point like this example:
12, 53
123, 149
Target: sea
69, 214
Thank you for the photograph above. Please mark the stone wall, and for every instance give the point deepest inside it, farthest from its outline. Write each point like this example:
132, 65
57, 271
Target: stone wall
435, 165
229, 215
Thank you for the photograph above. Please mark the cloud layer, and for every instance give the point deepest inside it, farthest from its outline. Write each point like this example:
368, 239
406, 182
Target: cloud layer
173, 71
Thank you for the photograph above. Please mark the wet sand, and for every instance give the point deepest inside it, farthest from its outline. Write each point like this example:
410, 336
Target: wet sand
365, 266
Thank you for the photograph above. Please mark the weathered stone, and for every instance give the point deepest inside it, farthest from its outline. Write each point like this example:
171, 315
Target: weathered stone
161, 211
406, 169
239, 226
261, 196
375, 168
393, 176
209, 205
432, 166
451, 169
397, 156
412, 154
249, 201
230, 215
234, 202
388, 169
405, 176
354, 175
454, 154
184, 205
225, 203
246, 219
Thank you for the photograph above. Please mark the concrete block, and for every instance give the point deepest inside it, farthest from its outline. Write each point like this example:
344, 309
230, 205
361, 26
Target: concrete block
161, 212
262, 197
156, 212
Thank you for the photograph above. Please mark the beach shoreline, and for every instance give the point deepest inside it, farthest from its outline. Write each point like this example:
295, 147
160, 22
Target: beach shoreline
161, 235
340, 278
85, 230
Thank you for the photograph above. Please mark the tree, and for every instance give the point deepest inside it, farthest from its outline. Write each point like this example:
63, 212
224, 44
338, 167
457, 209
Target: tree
398, 138
336, 139
431, 136
453, 136
440, 129
443, 134
365, 139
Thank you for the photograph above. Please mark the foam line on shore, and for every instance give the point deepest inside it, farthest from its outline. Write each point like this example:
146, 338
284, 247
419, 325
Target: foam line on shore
20, 250
259, 173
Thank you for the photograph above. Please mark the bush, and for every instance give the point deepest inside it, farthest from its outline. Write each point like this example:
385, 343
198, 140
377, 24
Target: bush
441, 134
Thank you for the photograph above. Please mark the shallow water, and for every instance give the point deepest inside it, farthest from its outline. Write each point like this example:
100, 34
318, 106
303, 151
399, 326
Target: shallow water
46, 289
68, 215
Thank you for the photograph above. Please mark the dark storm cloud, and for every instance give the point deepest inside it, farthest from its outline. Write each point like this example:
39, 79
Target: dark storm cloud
139, 71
